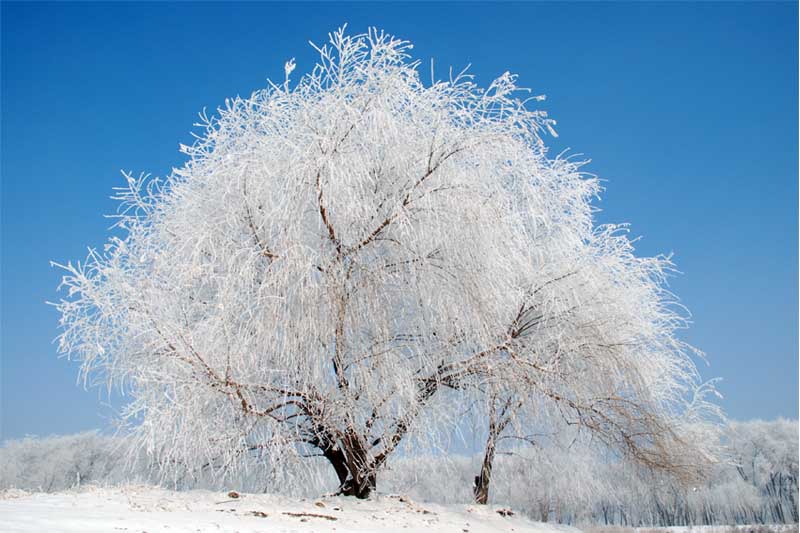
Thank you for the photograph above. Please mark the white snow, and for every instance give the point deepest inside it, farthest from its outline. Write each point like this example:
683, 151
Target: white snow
150, 509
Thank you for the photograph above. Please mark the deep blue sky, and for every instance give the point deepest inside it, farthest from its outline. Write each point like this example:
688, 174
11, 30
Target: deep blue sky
689, 111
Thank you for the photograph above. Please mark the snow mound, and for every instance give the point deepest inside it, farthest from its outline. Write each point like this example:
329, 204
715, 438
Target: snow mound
151, 509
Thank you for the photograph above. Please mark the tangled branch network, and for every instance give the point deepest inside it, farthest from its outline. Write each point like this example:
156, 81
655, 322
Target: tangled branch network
341, 262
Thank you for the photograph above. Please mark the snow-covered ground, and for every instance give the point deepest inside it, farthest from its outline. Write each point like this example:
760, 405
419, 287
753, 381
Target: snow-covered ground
147, 509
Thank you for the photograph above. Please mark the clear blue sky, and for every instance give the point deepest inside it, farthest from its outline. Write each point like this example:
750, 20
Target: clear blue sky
689, 111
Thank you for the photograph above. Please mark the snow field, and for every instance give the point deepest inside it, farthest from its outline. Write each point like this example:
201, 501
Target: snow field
150, 509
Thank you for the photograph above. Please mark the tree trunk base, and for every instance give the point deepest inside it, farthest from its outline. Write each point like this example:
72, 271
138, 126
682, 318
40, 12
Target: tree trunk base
362, 489
481, 490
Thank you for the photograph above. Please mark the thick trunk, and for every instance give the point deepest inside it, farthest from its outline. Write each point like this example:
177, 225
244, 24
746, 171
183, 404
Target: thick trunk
362, 467
336, 457
354, 478
361, 486
481, 488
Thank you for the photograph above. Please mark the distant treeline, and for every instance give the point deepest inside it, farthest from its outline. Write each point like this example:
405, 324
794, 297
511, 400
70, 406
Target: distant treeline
756, 482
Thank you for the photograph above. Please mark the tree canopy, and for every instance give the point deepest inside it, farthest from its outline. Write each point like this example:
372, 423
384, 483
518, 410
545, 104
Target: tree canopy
342, 260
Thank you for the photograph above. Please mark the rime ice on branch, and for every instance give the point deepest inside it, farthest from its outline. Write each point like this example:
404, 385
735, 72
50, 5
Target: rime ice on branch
336, 259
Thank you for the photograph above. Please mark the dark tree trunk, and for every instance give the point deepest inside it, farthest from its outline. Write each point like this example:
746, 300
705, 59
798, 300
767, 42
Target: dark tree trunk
481, 487
498, 420
361, 487
355, 479
336, 457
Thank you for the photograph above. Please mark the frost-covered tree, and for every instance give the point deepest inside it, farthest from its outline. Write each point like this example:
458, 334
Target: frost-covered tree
341, 260
607, 360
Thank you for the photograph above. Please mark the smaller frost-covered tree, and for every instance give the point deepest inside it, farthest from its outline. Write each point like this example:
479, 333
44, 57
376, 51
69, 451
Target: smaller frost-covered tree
603, 356
341, 261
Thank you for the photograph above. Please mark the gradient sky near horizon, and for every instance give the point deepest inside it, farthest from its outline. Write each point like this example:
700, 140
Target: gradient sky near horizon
687, 111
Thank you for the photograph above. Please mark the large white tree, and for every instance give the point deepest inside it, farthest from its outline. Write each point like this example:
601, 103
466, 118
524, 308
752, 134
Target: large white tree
340, 260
